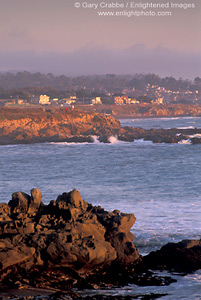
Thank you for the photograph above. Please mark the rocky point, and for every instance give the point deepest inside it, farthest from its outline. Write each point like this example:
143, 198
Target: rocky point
68, 234
69, 243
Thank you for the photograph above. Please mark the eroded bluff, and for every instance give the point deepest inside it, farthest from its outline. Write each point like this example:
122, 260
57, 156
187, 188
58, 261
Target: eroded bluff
68, 233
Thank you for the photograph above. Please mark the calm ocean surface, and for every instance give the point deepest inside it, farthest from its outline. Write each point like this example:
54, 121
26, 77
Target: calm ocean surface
159, 183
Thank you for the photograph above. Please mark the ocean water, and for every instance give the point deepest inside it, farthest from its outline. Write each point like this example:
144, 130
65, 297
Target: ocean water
175, 122
159, 183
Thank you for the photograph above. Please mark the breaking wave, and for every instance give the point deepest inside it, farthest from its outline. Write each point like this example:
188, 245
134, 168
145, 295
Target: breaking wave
67, 143
187, 127
95, 139
187, 142
196, 135
113, 139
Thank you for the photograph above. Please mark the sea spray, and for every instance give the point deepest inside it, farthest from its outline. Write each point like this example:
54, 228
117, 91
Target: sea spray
185, 142
113, 139
95, 139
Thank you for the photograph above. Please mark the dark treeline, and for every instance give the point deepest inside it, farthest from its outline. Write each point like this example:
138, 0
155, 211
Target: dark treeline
23, 84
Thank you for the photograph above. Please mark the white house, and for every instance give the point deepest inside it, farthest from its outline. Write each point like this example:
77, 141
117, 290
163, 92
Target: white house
97, 100
44, 99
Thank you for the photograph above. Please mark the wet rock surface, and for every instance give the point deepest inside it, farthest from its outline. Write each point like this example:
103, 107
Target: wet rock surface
64, 296
183, 257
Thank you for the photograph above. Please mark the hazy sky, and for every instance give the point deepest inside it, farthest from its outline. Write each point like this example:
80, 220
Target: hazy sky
54, 36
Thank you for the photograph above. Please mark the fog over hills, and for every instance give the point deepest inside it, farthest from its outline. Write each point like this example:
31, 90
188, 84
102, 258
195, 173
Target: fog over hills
99, 60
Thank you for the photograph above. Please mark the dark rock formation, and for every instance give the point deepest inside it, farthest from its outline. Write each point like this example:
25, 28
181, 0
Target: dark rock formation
67, 243
173, 135
195, 140
69, 234
184, 257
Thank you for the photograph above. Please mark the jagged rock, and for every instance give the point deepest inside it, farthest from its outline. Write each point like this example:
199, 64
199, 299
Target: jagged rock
68, 233
71, 199
195, 140
68, 242
4, 212
35, 201
19, 202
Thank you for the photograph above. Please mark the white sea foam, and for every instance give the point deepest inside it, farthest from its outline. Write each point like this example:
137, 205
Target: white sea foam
187, 127
67, 143
168, 119
95, 139
197, 135
10, 146
157, 119
186, 142
113, 139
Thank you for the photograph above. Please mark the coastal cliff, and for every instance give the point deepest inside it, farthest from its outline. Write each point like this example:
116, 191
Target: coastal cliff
22, 126
41, 125
145, 110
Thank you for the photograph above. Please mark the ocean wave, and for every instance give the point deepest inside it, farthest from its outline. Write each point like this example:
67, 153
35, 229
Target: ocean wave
185, 142
10, 146
190, 118
158, 118
113, 140
196, 135
95, 139
142, 141
167, 118
68, 143
187, 127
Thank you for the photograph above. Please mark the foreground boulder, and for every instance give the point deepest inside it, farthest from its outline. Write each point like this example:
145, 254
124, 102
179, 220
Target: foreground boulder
68, 234
184, 256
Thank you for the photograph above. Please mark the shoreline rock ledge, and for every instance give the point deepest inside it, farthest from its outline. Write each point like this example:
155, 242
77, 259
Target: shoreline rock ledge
62, 243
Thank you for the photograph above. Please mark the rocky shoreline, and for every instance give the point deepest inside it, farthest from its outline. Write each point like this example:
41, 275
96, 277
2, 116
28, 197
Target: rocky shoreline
53, 250
145, 110
39, 125
74, 126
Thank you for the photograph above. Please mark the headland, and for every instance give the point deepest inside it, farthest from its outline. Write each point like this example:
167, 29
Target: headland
39, 125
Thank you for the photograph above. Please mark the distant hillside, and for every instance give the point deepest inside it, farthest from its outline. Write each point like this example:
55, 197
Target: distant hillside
110, 82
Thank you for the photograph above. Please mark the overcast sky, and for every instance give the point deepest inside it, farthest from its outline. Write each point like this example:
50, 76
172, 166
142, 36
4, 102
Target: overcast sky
54, 36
